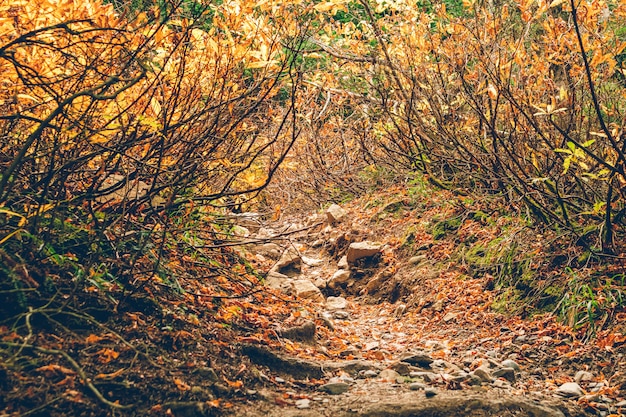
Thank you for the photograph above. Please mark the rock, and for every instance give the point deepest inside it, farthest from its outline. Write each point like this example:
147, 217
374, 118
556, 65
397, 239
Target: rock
341, 315
208, 374
360, 250
311, 261
297, 368
278, 281
416, 386
426, 376
303, 403
336, 303
343, 263
450, 316
289, 263
415, 260
335, 213
389, 375
430, 392
509, 363
506, 373
583, 376
570, 389
340, 277
369, 373
240, 231
403, 368
334, 388
417, 358
483, 373
302, 333
500, 383
306, 289
438, 306
270, 250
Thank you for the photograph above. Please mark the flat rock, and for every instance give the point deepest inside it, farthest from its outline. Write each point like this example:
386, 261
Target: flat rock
303, 403
483, 373
303, 333
335, 388
306, 289
335, 213
298, 368
583, 376
509, 363
389, 375
336, 303
311, 261
403, 368
570, 389
360, 250
506, 373
417, 358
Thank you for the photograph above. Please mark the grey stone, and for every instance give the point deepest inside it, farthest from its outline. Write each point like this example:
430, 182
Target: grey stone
340, 277
583, 376
430, 392
426, 376
335, 388
335, 213
403, 368
509, 363
208, 374
416, 386
368, 373
483, 373
421, 359
415, 260
303, 333
360, 250
506, 373
390, 375
336, 303
306, 289
341, 315
500, 383
303, 403
570, 389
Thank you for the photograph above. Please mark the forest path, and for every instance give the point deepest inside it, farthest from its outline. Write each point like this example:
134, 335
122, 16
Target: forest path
391, 332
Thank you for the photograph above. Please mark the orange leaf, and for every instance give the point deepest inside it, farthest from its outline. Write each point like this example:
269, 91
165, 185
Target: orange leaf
93, 339
111, 375
55, 369
181, 384
107, 355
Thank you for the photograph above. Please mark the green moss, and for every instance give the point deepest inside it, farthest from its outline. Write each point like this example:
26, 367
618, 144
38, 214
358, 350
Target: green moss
442, 228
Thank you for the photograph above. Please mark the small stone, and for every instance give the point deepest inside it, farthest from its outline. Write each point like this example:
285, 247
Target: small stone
402, 368
509, 363
621, 404
426, 376
208, 374
415, 260
303, 403
311, 261
335, 213
343, 263
341, 315
279, 380
430, 392
340, 277
305, 332
371, 345
306, 289
417, 358
416, 386
483, 373
389, 375
570, 389
506, 373
500, 383
438, 306
336, 303
450, 316
583, 376
360, 250
368, 373
334, 388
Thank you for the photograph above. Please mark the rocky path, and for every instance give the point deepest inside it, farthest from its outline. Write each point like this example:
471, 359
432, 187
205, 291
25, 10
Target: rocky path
397, 335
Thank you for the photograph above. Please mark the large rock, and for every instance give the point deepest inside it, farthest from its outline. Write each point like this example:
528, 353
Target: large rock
570, 389
360, 250
335, 213
304, 288
278, 281
290, 263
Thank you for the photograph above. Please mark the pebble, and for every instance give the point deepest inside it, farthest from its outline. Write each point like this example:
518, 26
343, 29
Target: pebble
336, 303
369, 373
279, 380
509, 363
430, 392
582, 376
500, 383
335, 388
390, 375
506, 373
483, 373
416, 386
570, 389
303, 403
417, 358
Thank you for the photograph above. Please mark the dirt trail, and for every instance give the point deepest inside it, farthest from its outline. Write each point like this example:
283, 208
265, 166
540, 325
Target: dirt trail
398, 335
